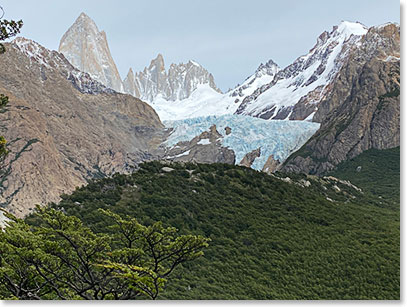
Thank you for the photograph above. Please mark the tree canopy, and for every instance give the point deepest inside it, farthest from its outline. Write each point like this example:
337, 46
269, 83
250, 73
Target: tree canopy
63, 259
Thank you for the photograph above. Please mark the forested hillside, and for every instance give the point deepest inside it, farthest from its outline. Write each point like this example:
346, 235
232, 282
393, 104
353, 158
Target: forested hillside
273, 237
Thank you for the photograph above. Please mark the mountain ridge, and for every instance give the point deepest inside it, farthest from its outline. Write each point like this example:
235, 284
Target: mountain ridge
177, 83
65, 128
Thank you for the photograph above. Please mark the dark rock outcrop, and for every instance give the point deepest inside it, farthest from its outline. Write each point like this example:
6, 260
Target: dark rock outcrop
249, 158
271, 165
204, 148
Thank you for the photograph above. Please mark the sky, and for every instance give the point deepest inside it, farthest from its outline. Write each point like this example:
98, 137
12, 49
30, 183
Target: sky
230, 38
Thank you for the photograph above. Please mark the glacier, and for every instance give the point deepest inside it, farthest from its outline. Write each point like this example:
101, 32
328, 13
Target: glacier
275, 137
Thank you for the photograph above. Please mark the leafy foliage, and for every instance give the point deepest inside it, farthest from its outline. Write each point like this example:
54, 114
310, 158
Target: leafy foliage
270, 239
60, 258
8, 29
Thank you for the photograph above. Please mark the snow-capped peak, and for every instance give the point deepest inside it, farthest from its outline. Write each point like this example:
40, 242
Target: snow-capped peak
306, 79
348, 28
387, 24
270, 68
264, 74
294, 92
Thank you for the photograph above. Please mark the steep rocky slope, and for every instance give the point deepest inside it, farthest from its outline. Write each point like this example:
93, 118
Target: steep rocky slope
64, 127
363, 108
87, 49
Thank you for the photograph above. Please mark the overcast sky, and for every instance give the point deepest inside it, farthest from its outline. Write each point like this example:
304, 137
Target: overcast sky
230, 38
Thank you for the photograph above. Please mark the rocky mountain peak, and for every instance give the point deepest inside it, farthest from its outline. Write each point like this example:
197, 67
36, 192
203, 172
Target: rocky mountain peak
86, 48
130, 85
49, 60
362, 109
175, 84
83, 16
269, 68
264, 74
157, 63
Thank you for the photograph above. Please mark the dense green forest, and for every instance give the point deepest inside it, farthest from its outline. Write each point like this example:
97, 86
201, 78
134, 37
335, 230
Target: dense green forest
272, 237
377, 172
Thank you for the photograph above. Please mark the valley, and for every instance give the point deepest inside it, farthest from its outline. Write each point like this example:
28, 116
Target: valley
285, 187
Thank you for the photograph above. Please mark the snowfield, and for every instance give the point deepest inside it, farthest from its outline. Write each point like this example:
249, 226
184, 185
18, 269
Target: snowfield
274, 137
282, 88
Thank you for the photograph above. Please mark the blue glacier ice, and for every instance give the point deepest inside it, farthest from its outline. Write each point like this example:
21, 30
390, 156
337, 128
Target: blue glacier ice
275, 137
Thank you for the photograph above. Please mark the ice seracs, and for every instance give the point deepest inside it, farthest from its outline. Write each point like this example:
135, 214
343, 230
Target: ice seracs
273, 137
87, 49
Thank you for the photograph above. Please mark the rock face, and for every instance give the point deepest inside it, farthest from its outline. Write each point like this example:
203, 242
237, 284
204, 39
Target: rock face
176, 84
87, 50
362, 110
271, 165
129, 84
65, 128
204, 148
249, 158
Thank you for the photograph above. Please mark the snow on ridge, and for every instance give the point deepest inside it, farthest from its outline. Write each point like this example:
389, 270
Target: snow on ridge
271, 90
348, 28
308, 72
387, 24
33, 50
203, 101
276, 137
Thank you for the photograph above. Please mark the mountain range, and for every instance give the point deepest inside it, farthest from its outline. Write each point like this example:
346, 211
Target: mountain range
72, 118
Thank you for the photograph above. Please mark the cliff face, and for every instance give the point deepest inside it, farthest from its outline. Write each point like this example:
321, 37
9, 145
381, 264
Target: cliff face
65, 128
87, 49
363, 109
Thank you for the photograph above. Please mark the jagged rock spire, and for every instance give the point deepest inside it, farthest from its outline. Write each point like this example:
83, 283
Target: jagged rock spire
86, 48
